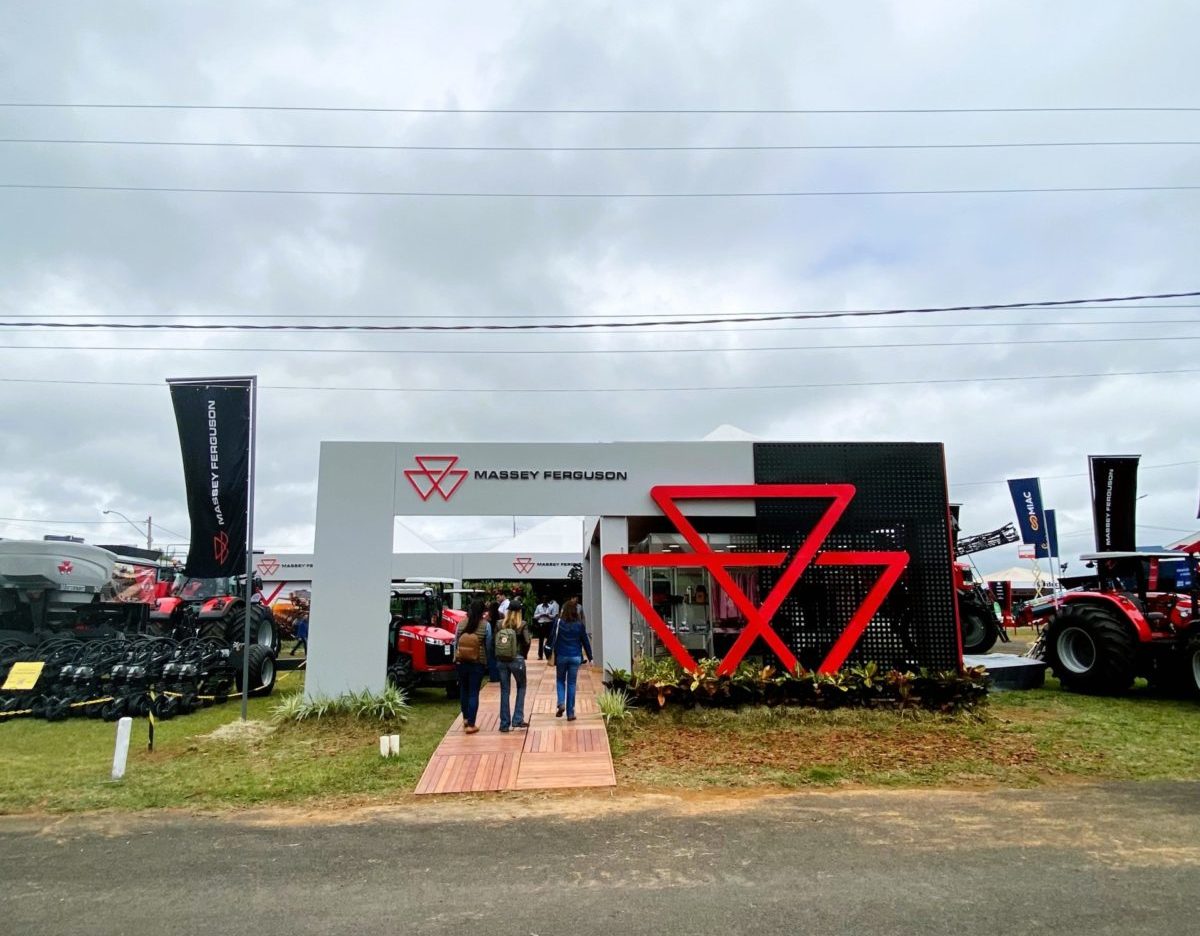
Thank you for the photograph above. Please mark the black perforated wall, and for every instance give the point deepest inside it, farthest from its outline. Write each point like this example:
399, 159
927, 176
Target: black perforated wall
900, 504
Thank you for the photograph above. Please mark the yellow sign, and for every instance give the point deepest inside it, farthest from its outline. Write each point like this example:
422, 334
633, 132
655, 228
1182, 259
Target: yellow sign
23, 676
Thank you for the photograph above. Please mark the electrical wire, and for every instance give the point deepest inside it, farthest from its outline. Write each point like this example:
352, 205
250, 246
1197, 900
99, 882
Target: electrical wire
1014, 378
812, 111
1080, 474
708, 349
645, 196
36, 520
702, 148
562, 315
618, 323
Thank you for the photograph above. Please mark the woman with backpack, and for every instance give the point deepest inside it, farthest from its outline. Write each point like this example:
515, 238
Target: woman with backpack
495, 615
472, 647
569, 646
511, 643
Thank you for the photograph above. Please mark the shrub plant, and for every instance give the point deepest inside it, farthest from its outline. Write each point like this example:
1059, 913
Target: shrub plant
657, 683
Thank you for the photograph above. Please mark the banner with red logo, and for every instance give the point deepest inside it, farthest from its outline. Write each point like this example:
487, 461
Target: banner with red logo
1114, 501
213, 417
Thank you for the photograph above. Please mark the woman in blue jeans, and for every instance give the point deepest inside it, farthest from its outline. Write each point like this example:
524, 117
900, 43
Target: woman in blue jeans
570, 645
472, 647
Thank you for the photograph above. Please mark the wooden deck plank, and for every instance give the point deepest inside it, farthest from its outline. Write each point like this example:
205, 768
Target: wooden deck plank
552, 754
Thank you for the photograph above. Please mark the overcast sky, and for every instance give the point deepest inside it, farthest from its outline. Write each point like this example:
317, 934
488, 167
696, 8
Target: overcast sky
68, 451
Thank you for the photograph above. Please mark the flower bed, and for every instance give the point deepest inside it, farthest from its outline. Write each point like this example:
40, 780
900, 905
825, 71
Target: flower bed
656, 684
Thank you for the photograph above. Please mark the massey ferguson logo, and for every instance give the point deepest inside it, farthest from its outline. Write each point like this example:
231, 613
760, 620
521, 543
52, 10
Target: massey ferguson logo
436, 473
524, 564
65, 567
758, 619
221, 547
214, 464
268, 566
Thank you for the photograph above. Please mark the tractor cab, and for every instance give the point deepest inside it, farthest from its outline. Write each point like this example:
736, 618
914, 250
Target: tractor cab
213, 607
1156, 583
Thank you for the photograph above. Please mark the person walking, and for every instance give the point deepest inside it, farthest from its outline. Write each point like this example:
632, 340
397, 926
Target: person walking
544, 616
472, 646
570, 644
495, 616
512, 642
301, 635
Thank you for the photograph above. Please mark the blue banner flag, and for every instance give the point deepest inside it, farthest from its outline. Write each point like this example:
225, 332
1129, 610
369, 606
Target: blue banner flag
1051, 536
1031, 515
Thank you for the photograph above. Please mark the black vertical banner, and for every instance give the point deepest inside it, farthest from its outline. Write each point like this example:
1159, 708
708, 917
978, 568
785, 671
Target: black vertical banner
214, 436
1114, 501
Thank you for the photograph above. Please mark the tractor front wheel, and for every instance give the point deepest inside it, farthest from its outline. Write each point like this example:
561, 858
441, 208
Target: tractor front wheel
401, 673
1091, 650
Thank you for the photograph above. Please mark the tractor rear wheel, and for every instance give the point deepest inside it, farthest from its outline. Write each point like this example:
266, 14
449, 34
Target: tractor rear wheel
1190, 667
263, 632
1090, 649
978, 630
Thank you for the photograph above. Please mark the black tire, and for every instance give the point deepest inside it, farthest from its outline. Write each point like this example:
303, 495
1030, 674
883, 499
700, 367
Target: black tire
262, 671
263, 631
401, 673
1091, 649
1189, 668
979, 630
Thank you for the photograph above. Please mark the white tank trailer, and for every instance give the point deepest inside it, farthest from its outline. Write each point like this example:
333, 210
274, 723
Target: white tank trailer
44, 584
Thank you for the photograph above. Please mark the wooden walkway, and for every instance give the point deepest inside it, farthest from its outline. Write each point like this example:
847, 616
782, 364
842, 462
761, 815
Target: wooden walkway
552, 753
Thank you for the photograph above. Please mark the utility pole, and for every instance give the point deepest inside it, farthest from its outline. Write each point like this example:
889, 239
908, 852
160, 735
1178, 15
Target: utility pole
149, 532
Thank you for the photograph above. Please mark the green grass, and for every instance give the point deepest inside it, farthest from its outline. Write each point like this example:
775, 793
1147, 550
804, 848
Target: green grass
65, 766
1020, 739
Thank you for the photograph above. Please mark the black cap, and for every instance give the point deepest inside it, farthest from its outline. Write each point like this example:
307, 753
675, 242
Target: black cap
516, 604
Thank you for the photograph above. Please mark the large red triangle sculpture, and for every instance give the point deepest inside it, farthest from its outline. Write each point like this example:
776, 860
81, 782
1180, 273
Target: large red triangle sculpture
758, 620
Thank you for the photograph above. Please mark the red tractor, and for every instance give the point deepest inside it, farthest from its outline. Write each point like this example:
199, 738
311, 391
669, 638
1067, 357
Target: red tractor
976, 612
1133, 619
213, 607
421, 639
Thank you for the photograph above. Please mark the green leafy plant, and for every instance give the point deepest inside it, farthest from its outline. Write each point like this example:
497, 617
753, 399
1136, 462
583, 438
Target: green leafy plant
618, 678
289, 708
656, 680
660, 682
614, 705
390, 705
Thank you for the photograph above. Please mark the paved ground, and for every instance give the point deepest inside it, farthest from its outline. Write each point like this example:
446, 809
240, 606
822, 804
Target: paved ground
1096, 860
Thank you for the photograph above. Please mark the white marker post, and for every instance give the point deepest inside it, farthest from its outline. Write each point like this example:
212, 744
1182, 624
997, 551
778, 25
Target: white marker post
121, 752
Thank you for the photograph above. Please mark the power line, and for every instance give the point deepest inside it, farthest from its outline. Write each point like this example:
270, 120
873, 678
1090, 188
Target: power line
1081, 474
708, 349
566, 315
811, 111
714, 320
1015, 378
590, 196
35, 520
697, 148
61, 522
